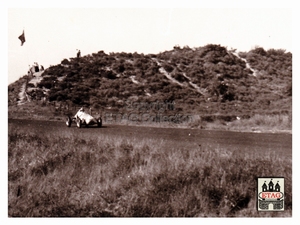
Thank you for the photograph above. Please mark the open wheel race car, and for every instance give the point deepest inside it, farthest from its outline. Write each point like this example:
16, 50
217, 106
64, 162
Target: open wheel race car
83, 118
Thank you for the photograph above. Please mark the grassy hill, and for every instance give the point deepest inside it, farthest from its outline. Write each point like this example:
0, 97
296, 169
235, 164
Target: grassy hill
209, 81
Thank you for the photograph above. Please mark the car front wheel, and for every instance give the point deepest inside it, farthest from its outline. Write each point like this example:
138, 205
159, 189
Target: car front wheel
99, 122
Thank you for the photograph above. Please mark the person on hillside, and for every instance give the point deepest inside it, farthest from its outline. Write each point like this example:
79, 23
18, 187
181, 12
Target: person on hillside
78, 54
29, 71
36, 67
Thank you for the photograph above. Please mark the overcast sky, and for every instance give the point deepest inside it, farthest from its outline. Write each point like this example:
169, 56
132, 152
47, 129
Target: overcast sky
54, 34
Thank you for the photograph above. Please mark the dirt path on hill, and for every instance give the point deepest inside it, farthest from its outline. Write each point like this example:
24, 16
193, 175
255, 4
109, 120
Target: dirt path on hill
247, 64
22, 94
167, 75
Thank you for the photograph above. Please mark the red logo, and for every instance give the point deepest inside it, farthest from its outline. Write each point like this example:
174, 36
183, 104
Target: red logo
271, 195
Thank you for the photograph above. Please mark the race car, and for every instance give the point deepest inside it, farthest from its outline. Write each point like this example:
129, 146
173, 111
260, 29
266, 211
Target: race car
83, 118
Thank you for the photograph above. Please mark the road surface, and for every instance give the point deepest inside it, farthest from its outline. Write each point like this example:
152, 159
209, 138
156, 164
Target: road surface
279, 144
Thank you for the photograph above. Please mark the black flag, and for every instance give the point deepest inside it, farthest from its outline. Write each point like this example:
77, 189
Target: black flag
22, 38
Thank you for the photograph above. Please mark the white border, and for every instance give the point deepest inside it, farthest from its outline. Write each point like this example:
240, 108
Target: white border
146, 4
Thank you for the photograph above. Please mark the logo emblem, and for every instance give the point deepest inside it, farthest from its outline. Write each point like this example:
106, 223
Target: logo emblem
270, 194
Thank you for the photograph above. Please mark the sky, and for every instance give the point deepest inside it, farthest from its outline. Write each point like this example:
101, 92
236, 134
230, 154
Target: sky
53, 34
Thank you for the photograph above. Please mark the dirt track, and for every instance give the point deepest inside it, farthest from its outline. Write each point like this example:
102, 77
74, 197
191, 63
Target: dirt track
280, 143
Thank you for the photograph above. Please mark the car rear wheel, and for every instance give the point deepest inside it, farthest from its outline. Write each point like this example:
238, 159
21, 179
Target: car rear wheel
99, 122
78, 123
69, 122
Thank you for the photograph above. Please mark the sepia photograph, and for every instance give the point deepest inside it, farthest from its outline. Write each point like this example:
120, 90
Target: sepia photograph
149, 112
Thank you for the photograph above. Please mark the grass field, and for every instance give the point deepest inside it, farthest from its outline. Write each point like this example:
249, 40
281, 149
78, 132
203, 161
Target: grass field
73, 175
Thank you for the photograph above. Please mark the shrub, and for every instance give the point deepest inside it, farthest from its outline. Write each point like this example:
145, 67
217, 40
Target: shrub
65, 62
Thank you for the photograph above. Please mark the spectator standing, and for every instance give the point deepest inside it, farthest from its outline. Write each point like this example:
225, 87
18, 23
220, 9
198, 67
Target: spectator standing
36, 67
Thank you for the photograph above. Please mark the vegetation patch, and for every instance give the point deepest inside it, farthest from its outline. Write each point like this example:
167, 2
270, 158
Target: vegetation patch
208, 80
71, 175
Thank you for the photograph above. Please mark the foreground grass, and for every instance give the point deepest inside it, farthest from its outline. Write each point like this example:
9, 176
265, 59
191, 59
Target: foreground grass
75, 176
